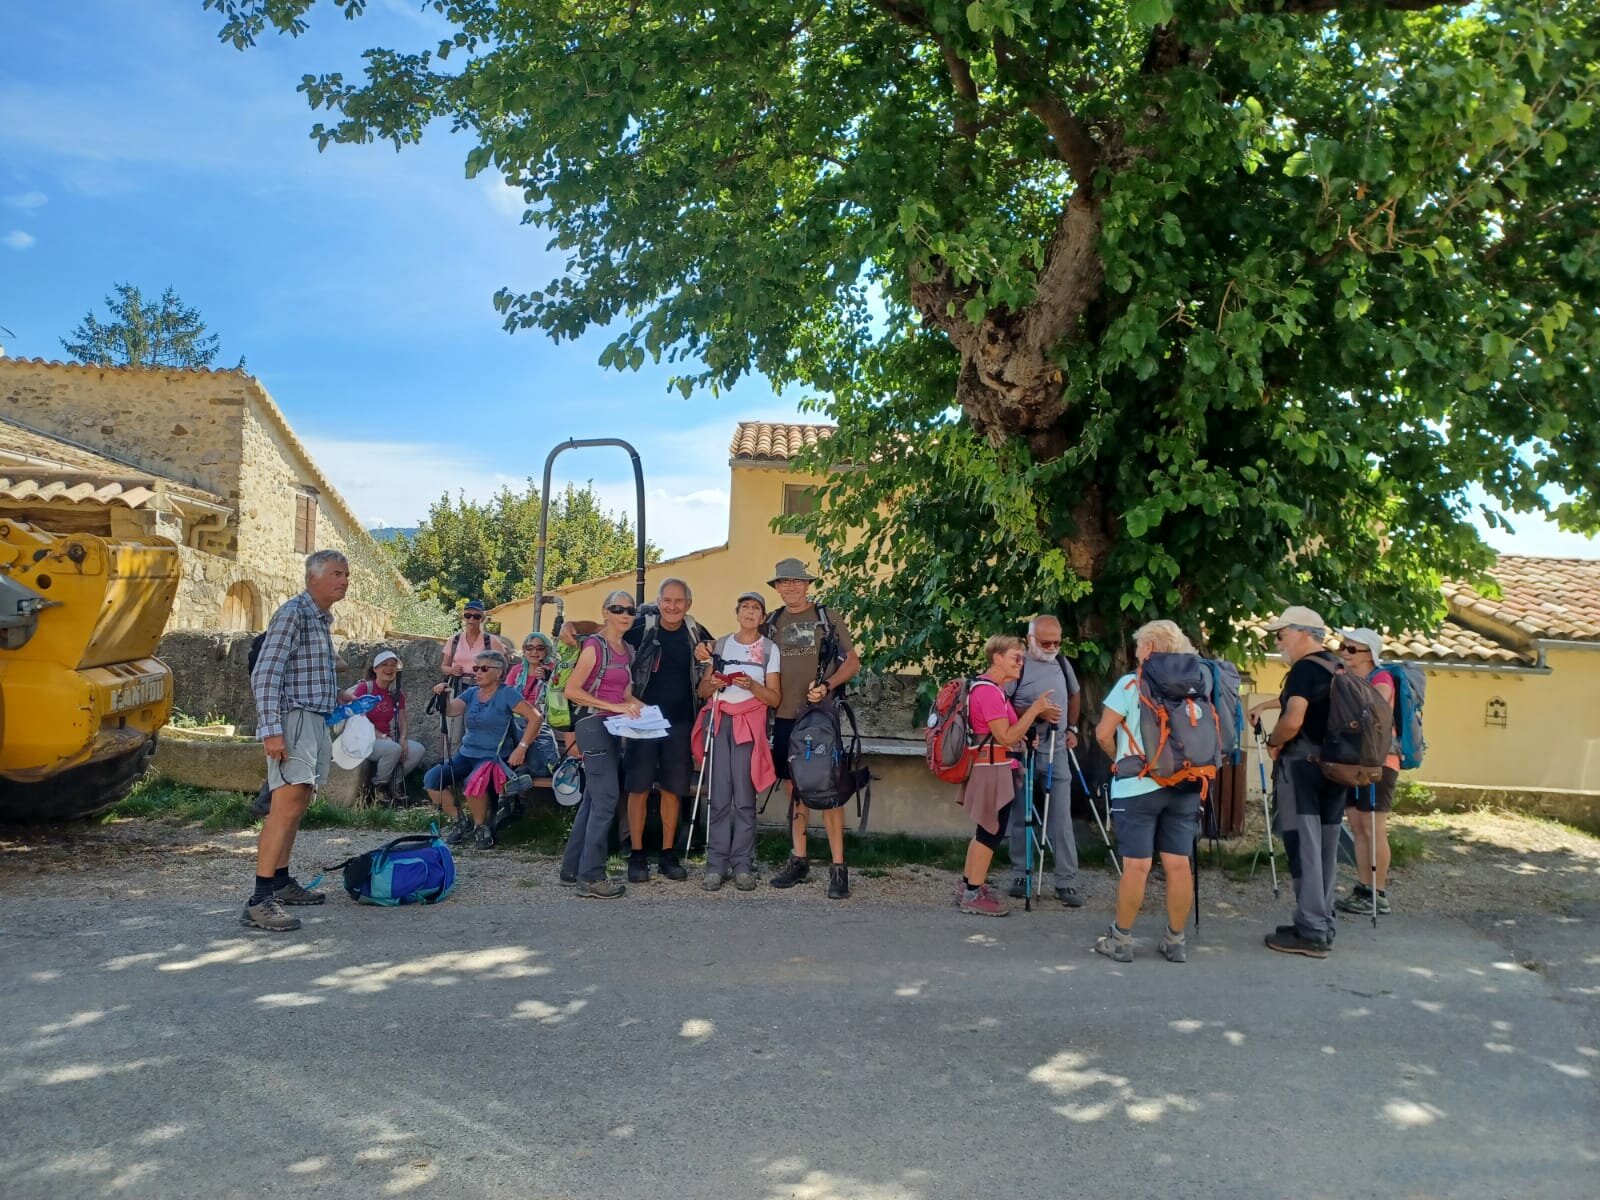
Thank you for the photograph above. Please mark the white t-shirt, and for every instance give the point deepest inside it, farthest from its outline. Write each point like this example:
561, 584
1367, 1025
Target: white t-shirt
755, 661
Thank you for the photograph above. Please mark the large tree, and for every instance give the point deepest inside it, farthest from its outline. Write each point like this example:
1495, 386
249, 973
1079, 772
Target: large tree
1123, 308
468, 550
161, 333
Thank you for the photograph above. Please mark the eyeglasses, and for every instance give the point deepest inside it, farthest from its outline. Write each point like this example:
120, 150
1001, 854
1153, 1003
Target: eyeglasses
481, 670
1044, 645
621, 609
1351, 649
537, 646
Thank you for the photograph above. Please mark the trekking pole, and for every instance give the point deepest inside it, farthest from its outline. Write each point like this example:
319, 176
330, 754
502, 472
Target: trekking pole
1044, 819
1105, 834
1372, 847
1027, 821
1266, 810
705, 764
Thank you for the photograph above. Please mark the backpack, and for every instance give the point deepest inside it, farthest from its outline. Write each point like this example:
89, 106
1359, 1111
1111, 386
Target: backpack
827, 644
647, 655
763, 647
255, 652
1410, 693
1180, 739
951, 748
415, 869
1360, 728
827, 767
556, 705
1225, 689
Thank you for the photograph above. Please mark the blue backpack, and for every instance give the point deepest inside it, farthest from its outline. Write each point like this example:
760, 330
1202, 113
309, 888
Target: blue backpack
415, 869
1410, 693
1225, 685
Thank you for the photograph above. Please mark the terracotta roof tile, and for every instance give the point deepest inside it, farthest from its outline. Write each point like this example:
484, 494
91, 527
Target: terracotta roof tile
769, 442
1453, 643
1554, 598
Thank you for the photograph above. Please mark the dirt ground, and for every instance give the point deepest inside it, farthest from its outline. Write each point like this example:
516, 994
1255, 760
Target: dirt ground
1472, 863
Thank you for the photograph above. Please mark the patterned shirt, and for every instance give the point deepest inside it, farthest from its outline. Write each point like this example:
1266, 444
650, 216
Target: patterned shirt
296, 667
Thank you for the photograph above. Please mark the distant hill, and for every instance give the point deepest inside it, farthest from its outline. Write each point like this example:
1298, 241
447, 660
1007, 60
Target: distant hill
388, 533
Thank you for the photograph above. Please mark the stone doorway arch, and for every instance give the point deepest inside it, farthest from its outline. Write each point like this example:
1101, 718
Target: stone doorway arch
241, 608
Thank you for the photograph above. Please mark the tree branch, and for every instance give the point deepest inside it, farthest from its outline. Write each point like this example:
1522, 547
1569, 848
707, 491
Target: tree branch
1075, 145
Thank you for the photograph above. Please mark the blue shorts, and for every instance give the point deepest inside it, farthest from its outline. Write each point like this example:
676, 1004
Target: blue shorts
1165, 819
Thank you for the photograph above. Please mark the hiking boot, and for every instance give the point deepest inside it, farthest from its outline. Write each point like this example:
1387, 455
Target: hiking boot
981, 902
796, 870
1115, 945
268, 914
1293, 943
567, 878
1174, 947
600, 889
838, 882
458, 831
638, 867
1069, 897
293, 893
671, 868
483, 837
1357, 903
711, 881
745, 881
1018, 888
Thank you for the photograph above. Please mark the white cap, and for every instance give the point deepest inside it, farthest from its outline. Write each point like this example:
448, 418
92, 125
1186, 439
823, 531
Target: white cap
1370, 638
383, 656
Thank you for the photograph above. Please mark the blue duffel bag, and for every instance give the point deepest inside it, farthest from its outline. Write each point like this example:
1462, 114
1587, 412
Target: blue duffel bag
415, 869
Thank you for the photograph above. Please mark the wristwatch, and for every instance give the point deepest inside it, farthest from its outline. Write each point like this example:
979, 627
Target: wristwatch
1072, 729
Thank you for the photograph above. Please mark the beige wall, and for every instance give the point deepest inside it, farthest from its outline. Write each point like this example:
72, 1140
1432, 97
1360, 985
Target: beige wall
716, 575
215, 431
1551, 740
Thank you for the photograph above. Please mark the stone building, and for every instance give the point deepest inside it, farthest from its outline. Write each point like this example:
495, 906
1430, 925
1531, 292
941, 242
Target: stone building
205, 458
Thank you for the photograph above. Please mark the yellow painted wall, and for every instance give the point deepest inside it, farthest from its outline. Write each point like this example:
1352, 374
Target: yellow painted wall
1551, 740
716, 575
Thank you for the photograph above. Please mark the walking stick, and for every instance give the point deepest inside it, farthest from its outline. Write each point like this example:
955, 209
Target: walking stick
1044, 819
1105, 834
1027, 820
1266, 811
1372, 847
705, 764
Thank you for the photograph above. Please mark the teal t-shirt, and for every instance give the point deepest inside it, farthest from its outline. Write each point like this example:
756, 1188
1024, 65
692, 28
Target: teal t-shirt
1123, 699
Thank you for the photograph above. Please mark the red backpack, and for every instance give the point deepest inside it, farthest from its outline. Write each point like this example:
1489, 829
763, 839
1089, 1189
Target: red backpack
951, 748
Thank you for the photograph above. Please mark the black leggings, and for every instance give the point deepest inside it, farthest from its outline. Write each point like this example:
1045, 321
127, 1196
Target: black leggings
992, 840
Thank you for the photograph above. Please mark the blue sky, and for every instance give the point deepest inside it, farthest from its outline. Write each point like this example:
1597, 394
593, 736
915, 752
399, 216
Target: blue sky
357, 282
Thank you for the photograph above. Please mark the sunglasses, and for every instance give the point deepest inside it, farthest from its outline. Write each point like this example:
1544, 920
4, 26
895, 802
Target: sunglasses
621, 609
473, 617
1352, 649
539, 646
481, 670
1044, 645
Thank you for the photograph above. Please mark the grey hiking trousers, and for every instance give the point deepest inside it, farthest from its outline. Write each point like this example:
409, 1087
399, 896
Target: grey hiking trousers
1310, 809
602, 787
1058, 827
731, 843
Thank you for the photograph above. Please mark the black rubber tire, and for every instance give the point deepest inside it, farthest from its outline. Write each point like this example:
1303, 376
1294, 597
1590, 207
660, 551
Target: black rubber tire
75, 794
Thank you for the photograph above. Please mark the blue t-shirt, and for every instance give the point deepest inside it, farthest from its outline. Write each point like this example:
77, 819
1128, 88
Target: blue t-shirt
487, 720
1123, 699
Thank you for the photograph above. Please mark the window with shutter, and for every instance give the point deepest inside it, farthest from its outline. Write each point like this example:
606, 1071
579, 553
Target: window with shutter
798, 499
305, 524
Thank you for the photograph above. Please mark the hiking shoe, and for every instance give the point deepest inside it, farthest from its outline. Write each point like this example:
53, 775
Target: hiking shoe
567, 878
483, 837
458, 830
600, 889
745, 881
1069, 897
293, 893
1116, 946
1293, 943
711, 881
262, 804
981, 902
1018, 888
1174, 948
796, 870
1358, 902
638, 867
269, 915
1383, 905
671, 868
838, 882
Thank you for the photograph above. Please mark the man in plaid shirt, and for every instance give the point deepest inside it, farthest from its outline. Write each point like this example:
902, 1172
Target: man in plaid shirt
296, 686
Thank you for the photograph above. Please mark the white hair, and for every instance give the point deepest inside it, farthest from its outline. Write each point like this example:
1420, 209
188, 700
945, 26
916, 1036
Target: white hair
688, 593
321, 560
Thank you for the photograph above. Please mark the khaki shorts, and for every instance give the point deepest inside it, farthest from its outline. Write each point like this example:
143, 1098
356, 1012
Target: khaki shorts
308, 747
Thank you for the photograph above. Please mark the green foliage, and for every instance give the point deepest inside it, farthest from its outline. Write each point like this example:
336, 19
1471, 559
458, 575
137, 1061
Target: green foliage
466, 550
1125, 308
162, 333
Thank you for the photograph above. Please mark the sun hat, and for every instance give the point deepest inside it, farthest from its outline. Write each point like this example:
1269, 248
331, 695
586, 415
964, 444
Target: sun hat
567, 782
354, 743
1370, 638
756, 596
1297, 614
790, 568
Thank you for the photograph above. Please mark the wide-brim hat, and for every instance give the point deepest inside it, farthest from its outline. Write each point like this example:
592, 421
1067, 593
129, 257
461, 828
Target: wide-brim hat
567, 782
790, 568
354, 743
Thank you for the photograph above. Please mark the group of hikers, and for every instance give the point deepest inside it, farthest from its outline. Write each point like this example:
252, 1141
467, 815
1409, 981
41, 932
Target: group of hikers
730, 706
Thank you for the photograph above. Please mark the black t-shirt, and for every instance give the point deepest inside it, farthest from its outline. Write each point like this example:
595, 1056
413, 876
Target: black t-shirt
671, 686
1313, 682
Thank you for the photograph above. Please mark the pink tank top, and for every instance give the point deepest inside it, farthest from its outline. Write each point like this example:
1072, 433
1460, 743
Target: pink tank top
612, 684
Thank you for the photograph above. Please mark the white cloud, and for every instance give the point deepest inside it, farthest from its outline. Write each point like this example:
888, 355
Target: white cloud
18, 240
393, 483
27, 200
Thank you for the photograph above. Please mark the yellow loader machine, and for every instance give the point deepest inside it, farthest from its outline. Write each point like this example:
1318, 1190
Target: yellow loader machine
81, 695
